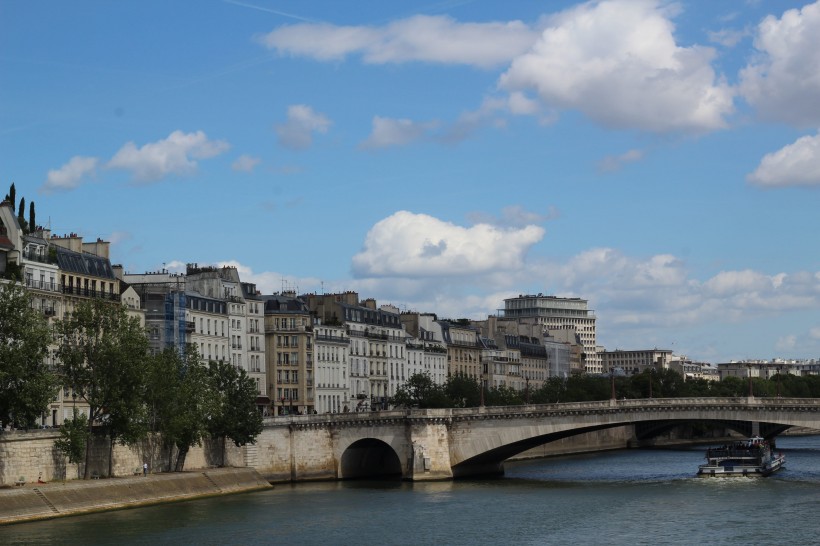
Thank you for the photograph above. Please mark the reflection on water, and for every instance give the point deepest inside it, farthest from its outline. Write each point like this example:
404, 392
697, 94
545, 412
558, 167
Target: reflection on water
620, 497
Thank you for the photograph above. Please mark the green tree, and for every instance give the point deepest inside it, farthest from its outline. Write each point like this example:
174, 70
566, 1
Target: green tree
504, 396
27, 384
235, 414
73, 439
12, 195
422, 392
102, 352
178, 400
552, 391
32, 217
463, 391
21, 214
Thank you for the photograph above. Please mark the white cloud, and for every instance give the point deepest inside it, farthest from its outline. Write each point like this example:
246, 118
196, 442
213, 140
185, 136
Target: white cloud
814, 333
70, 175
417, 245
389, 132
783, 81
436, 39
797, 164
617, 62
302, 122
245, 163
612, 163
176, 154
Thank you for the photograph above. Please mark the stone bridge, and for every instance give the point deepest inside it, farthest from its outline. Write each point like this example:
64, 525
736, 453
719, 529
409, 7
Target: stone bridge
440, 444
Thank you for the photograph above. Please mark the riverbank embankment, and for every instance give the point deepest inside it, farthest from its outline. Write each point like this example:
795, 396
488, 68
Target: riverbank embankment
35, 501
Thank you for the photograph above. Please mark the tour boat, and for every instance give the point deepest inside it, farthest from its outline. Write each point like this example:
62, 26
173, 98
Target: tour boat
752, 457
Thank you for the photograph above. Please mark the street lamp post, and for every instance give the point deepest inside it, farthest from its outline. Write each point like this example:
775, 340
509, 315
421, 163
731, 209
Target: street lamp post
527, 390
751, 391
778, 380
651, 376
481, 391
612, 382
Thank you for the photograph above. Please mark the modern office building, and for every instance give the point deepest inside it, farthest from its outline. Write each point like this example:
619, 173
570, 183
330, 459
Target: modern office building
554, 313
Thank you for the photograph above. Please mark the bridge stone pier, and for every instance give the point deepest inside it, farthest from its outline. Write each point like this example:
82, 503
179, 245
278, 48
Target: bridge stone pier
441, 444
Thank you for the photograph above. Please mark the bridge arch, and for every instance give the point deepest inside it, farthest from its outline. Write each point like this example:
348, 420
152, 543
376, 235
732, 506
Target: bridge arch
369, 458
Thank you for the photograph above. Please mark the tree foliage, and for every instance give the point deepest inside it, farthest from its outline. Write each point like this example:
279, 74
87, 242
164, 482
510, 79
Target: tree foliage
234, 414
420, 391
102, 352
73, 438
177, 400
27, 385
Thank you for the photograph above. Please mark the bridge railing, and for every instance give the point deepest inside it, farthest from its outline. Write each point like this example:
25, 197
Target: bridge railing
811, 404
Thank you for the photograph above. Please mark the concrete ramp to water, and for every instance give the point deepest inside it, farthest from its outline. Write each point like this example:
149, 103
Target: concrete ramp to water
42, 501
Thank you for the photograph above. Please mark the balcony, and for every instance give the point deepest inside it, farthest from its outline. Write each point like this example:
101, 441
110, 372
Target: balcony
48, 286
190, 326
38, 257
88, 293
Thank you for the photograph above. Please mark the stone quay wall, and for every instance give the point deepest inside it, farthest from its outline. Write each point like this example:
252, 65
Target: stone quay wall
33, 455
58, 499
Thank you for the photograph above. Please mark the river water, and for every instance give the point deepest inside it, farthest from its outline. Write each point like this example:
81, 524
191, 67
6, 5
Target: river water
619, 497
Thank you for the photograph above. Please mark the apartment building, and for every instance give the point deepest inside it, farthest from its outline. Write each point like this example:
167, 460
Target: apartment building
463, 349
331, 350
253, 321
377, 345
289, 352
635, 362
425, 347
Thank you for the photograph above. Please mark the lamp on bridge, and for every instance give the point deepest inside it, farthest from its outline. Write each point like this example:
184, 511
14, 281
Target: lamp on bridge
778, 380
751, 391
527, 389
612, 382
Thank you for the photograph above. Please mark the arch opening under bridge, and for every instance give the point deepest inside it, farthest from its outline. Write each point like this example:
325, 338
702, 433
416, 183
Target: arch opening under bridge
369, 458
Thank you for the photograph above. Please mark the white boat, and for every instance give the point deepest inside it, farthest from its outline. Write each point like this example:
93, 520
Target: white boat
752, 457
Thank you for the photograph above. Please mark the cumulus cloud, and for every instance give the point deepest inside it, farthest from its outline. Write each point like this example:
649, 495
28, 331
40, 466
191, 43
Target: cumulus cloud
782, 82
617, 61
389, 132
797, 164
412, 245
612, 163
176, 154
301, 124
70, 175
658, 291
245, 163
435, 39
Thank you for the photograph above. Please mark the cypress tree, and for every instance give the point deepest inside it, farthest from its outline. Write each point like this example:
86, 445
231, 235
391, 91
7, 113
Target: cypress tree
31, 223
21, 214
12, 196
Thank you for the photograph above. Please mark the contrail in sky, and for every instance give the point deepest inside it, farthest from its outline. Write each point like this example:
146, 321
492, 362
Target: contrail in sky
275, 12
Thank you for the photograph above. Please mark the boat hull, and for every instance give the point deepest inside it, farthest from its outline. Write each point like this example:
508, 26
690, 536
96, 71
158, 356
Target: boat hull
752, 457
728, 470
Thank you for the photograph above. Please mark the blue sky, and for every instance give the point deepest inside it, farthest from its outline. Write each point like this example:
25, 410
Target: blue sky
660, 159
